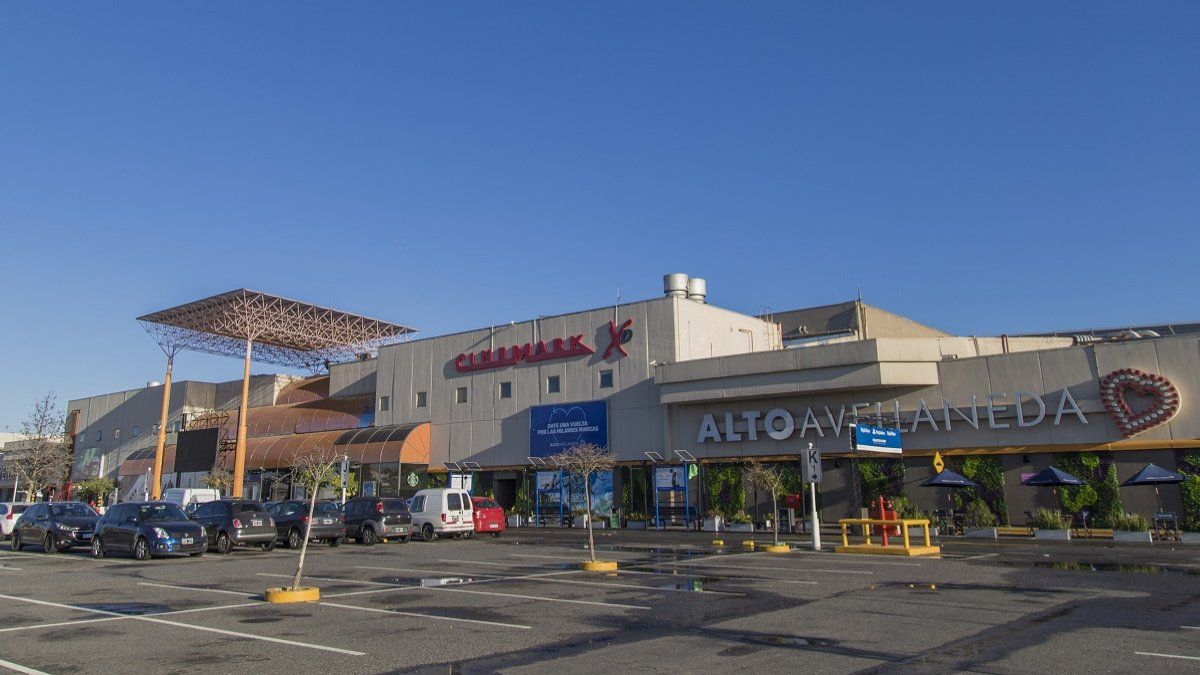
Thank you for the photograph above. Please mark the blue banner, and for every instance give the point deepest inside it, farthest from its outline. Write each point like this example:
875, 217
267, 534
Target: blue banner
876, 439
554, 428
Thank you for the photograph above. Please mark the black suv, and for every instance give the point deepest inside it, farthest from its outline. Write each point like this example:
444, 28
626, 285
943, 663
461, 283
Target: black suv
291, 518
235, 522
369, 519
56, 526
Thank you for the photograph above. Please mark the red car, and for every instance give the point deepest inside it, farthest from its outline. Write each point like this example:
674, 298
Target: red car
489, 516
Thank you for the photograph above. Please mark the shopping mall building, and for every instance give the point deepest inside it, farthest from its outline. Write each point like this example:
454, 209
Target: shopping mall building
671, 378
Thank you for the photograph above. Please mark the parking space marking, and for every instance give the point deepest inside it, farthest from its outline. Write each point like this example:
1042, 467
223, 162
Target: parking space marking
543, 578
20, 668
206, 629
76, 622
203, 590
759, 568
1169, 656
441, 589
426, 616
66, 556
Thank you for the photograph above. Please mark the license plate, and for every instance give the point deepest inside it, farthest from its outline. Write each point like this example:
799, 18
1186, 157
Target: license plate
494, 525
85, 535
186, 540
255, 523
327, 521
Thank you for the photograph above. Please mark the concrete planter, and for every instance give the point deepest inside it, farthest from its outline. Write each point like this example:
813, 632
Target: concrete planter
1052, 535
515, 520
982, 533
740, 527
635, 524
1189, 538
1134, 537
579, 521
714, 524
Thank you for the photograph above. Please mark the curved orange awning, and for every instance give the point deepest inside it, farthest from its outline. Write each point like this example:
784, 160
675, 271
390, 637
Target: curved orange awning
403, 443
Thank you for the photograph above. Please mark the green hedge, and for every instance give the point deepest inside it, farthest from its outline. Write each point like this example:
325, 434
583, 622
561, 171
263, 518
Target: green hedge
988, 474
726, 493
1100, 492
880, 477
1188, 462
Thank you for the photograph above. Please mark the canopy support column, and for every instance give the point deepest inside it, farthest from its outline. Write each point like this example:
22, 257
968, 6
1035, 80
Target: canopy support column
156, 486
239, 452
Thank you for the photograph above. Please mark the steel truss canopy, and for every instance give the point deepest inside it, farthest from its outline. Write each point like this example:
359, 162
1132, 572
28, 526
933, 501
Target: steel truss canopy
282, 331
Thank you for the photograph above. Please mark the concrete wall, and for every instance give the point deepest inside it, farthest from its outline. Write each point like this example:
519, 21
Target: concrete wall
356, 378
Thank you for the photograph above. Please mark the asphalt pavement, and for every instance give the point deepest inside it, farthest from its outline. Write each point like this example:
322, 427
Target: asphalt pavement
677, 604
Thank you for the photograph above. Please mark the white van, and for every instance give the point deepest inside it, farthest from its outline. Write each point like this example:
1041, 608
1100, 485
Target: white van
440, 512
189, 498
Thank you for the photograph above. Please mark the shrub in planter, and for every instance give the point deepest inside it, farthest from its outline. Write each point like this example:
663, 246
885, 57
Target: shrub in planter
979, 515
1131, 522
740, 522
1051, 519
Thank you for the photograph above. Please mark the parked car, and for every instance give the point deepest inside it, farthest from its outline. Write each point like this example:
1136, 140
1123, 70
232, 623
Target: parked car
291, 517
438, 512
9, 512
369, 519
189, 499
56, 526
147, 529
229, 523
489, 516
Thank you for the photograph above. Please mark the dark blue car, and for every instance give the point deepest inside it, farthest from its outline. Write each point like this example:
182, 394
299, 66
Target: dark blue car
146, 530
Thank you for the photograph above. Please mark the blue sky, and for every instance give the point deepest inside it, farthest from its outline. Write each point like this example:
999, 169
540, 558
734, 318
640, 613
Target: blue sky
981, 167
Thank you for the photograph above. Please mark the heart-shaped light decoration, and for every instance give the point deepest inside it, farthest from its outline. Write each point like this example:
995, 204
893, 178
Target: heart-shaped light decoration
1113, 388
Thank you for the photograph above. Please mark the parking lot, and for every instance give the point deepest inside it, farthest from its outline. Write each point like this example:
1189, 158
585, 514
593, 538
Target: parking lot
677, 604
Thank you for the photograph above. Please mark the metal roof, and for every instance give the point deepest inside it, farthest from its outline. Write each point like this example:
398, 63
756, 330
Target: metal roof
284, 332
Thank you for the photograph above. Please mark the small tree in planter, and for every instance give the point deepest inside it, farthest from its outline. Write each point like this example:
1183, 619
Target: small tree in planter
94, 489
218, 479
310, 468
586, 459
769, 478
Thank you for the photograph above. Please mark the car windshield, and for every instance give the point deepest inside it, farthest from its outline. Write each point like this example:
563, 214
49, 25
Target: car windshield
327, 508
157, 513
486, 504
71, 511
395, 506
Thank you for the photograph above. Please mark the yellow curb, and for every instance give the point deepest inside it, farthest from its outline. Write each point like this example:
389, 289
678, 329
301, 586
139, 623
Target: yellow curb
285, 595
718, 542
599, 566
747, 544
777, 548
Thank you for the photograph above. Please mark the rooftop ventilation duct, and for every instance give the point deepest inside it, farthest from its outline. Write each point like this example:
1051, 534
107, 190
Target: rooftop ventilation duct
697, 290
675, 285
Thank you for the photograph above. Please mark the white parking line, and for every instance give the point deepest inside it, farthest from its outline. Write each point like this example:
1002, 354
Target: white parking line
20, 668
125, 616
1169, 656
52, 557
1191, 627
427, 616
442, 589
202, 590
752, 568
543, 577
206, 629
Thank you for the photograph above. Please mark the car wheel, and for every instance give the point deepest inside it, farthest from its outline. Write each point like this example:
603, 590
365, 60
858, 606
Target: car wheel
295, 539
267, 546
16, 541
458, 535
427, 532
468, 535
495, 535
224, 545
97, 548
141, 549
334, 542
368, 537
48, 545
403, 540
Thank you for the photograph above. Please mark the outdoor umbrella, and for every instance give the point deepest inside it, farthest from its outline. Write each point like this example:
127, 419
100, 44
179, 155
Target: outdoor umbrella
1051, 477
1155, 475
949, 479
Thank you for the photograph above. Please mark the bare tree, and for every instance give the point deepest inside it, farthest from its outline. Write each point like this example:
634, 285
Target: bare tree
44, 457
218, 479
311, 468
586, 459
768, 478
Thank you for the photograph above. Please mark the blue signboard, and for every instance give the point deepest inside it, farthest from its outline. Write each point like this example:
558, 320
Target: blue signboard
554, 428
876, 439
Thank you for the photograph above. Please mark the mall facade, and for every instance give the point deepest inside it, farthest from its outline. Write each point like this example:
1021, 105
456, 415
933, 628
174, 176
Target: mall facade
670, 378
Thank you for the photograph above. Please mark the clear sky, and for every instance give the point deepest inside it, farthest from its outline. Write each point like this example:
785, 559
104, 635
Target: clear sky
981, 167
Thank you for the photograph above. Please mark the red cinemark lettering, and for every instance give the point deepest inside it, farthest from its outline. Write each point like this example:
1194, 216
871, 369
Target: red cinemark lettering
529, 352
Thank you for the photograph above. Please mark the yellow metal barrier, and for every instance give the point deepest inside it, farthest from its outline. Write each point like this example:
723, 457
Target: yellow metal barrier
884, 548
